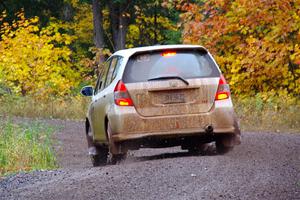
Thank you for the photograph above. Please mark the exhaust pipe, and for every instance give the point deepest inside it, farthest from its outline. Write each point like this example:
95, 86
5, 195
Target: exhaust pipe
209, 129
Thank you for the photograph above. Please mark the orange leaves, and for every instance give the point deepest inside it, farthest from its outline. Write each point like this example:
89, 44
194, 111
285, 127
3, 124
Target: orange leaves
256, 43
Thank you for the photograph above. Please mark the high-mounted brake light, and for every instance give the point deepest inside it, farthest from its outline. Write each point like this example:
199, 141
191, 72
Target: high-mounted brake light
223, 91
168, 53
121, 95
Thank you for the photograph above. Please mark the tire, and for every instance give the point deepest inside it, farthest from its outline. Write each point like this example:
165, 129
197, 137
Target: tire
100, 159
115, 156
194, 150
221, 148
198, 149
99, 154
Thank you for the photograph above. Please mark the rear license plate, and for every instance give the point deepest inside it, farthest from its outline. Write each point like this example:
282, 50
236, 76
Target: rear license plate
174, 98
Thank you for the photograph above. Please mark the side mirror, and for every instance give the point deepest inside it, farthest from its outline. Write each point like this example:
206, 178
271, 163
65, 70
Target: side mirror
87, 91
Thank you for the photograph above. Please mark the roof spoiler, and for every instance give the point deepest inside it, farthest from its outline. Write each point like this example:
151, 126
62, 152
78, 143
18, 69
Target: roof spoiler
195, 48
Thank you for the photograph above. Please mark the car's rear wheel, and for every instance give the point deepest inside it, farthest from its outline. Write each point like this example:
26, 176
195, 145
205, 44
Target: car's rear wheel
100, 158
98, 154
199, 148
115, 156
221, 148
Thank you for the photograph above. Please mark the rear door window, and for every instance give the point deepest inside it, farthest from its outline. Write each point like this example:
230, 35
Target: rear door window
186, 64
104, 75
111, 70
116, 70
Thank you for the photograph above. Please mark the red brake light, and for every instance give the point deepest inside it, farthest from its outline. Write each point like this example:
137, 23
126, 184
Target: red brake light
223, 91
121, 95
168, 53
222, 80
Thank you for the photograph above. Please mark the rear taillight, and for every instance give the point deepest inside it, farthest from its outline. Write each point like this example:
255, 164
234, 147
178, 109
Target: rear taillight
121, 95
223, 91
168, 53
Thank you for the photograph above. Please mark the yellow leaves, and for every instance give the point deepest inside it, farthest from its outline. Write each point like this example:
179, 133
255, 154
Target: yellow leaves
292, 57
82, 25
36, 29
34, 20
295, 56
3, 15
68, 41
244, 30
36, 61
5, 24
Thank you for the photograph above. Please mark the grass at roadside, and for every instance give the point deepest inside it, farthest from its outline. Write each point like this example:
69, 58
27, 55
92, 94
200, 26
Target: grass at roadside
25, 147
62, 108
279, 114
255, 113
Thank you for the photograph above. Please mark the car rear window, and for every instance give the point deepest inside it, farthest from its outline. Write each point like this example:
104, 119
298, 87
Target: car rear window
186, 64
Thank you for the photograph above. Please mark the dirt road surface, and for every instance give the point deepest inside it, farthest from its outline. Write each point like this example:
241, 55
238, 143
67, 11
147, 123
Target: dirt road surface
264, 166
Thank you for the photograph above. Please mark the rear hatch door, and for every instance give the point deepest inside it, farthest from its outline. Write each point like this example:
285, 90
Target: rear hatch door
171, 82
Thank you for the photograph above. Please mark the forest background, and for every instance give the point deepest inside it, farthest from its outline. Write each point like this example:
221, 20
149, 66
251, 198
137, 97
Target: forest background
49, 49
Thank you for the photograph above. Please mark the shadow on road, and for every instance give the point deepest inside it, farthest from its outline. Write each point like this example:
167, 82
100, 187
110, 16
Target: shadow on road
209, 152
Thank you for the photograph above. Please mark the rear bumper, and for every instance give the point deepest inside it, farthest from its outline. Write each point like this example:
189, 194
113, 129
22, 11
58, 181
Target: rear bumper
170, 134
127, 124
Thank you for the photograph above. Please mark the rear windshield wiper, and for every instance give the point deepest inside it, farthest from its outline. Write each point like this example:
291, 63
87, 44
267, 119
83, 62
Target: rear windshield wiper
169, 77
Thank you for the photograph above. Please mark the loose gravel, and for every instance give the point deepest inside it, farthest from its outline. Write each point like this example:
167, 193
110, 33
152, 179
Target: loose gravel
264, 166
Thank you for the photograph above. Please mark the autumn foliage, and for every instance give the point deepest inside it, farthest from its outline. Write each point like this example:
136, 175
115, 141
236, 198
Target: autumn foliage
256, 43
33, 60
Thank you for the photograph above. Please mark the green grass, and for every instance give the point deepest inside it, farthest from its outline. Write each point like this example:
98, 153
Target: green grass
25, 147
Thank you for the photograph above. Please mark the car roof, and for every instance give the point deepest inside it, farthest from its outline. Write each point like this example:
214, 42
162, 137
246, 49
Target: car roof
131, 51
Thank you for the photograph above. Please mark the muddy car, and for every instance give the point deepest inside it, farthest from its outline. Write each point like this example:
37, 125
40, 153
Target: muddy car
159, 96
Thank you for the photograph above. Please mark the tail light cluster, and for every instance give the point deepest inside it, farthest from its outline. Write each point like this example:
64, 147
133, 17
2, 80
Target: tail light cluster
223, 91
121, 95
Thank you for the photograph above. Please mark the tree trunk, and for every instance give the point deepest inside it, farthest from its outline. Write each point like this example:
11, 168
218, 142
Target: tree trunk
155, 25
97, 20
98, 27
114, 24
123, 27
119, 24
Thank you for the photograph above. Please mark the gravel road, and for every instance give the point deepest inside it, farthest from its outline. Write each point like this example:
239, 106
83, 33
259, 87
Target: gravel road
264, 166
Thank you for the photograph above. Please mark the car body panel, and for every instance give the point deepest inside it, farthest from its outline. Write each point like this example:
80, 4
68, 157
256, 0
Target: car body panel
132, 125
100, 107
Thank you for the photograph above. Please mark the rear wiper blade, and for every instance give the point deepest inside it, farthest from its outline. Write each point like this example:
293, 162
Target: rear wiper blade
169, 77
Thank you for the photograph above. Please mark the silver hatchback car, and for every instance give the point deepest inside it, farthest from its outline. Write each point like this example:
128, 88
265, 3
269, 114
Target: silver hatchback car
159, 96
